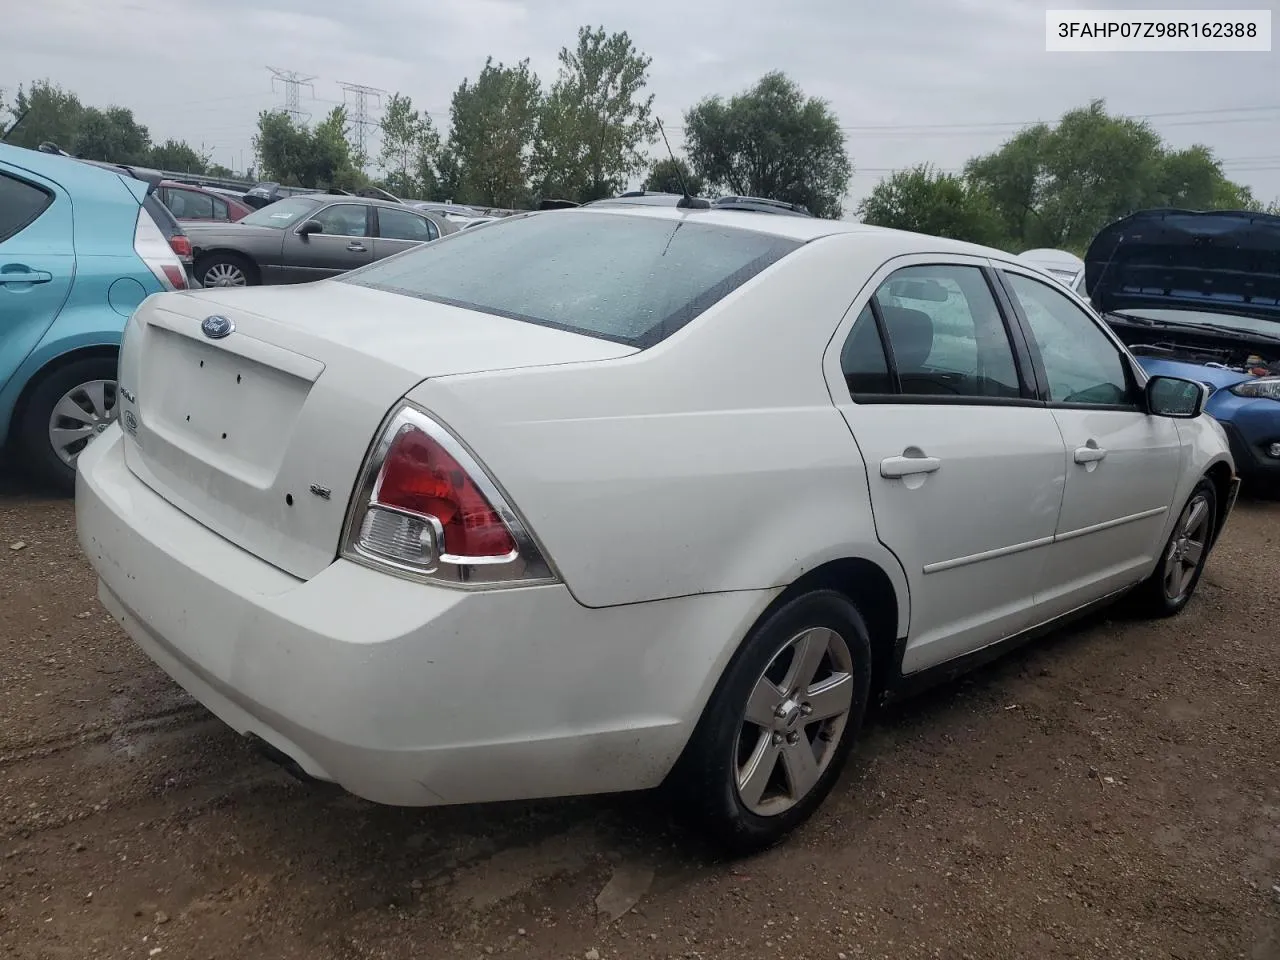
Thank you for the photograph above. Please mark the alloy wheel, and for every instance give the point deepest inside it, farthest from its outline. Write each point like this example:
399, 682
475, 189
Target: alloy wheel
1186, 548
793, 722
84, 411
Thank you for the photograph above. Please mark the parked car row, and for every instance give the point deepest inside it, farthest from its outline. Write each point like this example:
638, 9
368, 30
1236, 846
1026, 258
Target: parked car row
310, 237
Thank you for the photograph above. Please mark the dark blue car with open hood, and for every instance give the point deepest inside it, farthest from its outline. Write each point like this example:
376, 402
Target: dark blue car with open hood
1197, 295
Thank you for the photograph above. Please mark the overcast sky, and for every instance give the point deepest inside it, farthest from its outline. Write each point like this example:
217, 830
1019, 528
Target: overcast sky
911, 80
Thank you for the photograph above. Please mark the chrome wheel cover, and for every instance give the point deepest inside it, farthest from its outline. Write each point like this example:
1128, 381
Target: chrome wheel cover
224, 274
84, 411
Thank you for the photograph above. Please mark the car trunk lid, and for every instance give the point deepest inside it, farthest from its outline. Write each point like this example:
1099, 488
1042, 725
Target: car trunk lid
252, 410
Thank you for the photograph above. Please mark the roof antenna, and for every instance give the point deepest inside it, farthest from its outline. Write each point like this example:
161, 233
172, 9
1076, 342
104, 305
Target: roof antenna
688, 201
13, 126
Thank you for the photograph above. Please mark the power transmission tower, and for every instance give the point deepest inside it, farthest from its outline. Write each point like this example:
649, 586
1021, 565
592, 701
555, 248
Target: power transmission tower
291, 80
360, 118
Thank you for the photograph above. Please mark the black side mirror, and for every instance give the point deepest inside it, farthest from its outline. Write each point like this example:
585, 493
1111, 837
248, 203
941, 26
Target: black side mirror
1175, 397
310, 227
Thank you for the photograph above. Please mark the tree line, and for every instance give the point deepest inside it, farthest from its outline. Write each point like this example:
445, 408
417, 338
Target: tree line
512, 141
53, 115
1057, 186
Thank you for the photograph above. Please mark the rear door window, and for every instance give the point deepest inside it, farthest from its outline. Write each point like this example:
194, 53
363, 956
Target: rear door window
20, 204
191, 204
631, 279
402, 225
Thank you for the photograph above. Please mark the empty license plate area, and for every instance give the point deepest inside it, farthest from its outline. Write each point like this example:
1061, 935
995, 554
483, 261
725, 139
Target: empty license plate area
231, 412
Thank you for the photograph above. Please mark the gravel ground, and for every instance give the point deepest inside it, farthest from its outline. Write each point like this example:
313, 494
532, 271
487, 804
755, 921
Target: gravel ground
1112, 792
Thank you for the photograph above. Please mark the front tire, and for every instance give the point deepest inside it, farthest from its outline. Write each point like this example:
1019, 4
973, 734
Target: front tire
67, 408
1173, 582
780, 725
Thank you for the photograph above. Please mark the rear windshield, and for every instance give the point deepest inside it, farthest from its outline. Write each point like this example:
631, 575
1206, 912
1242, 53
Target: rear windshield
634, 280
165, 220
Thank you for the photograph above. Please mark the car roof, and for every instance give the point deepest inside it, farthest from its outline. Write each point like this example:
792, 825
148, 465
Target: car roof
803, 229
348, 198
72, 173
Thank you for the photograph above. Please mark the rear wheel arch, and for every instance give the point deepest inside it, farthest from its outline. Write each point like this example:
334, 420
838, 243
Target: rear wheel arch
853, 591
871, 591
62, 376
95, 352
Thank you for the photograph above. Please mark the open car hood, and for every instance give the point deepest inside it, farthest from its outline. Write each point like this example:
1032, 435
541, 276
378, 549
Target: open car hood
1216, 262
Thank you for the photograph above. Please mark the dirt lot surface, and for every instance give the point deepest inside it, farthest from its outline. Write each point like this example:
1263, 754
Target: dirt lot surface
1114, 792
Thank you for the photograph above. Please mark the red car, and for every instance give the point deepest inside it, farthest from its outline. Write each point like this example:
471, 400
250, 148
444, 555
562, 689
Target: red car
186, 201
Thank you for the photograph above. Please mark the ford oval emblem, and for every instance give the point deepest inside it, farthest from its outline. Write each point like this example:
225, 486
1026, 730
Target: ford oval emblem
215, 328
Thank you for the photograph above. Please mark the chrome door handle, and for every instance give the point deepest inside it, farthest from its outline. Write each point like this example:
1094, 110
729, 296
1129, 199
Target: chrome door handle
1089, 454
895, 467
355, 247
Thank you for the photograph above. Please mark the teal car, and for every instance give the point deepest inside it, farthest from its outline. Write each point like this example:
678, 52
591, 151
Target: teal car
79, 251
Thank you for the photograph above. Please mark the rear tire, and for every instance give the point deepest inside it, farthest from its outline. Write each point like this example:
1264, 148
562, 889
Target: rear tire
779, 727
1173, 582
226, 270
83, 395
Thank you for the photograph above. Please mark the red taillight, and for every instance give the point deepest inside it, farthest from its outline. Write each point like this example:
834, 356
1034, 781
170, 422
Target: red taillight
177, 276
420, 476
181, 246
426, 509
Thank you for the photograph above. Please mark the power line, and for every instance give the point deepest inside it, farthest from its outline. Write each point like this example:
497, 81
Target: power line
360, 120
292, 80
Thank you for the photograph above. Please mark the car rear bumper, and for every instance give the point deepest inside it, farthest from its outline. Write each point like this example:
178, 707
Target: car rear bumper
405, 693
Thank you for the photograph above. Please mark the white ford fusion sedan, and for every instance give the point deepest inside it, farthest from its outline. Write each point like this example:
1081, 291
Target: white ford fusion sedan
595, 500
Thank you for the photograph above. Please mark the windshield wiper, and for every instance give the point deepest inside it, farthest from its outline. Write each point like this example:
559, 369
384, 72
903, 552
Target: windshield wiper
1231, 333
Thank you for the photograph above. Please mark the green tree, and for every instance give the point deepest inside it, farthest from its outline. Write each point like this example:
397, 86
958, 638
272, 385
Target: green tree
494, 121
291, 154
771, 141
1057, 186
666, 175
282, 147
596, 118
180, 156
332, 163
1014, 181
410, 145
449, 181
939, 204
112, 134
49, 115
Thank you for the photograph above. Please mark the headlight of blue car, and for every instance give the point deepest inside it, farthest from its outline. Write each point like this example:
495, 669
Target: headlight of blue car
1268, 387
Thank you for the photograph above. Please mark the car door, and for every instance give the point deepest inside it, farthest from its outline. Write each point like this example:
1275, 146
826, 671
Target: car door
400, 230
37, 262
1122, 464
965, 465
344, 243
